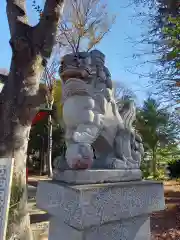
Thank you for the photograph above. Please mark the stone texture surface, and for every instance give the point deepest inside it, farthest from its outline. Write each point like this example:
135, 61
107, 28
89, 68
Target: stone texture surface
6, 172
137, 228
94, 118
97, 176
82, 206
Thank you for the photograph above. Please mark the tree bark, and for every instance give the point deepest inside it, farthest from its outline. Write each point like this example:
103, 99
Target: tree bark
49, 159
21, 97
154, 163
50, 130
42, 157
45, 168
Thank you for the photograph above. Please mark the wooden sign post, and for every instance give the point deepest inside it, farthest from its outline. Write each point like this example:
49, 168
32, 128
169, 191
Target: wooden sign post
6, 172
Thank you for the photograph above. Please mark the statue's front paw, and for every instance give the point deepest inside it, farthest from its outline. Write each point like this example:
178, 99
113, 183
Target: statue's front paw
119, 164
79, 156
85, 133
109, 163
132, 164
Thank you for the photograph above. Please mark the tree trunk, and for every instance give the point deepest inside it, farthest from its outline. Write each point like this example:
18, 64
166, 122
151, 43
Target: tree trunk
45, 168
42, 157
154, 163
20, 99
49, 159
19, 221
15, 117
50, 129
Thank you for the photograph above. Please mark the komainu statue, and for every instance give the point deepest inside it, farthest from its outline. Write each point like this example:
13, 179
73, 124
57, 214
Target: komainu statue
99, 132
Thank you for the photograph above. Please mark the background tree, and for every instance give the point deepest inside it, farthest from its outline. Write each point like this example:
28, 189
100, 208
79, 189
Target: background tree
122, 92
57, 94
42, 129
38, 145
170, 152
162, 40
50, 82
84, 24
157, 128
21, 97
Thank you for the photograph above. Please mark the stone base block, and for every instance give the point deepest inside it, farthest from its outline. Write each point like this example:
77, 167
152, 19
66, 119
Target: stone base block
97, 176
137, 228
85, 205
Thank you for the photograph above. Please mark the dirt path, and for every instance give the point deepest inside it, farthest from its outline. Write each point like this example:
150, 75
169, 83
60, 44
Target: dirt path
165, 225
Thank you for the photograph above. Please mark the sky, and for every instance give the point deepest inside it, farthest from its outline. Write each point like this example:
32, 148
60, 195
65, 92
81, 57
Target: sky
117, 48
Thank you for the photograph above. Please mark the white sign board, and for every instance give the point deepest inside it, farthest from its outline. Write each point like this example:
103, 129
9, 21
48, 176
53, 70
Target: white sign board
6, 171
1, 86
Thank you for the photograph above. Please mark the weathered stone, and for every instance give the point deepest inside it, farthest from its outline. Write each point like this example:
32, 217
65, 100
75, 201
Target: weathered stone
137, 228
93, 118
97, 176
82, 206
100, 211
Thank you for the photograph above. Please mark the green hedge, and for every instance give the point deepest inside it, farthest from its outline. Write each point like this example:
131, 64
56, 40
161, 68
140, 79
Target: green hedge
174, 169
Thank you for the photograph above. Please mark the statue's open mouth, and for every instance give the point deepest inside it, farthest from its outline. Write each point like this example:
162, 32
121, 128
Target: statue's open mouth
74, 72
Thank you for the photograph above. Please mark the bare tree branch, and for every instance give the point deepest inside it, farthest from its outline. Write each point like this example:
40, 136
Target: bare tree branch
161, 40
121, 91
65, 31
84, 24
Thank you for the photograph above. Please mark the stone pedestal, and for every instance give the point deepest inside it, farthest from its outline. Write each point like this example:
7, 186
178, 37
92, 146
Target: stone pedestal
105, 211
97, 176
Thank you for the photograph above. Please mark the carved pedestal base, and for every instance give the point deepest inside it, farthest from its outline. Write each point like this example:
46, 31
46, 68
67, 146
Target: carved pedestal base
100, 211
